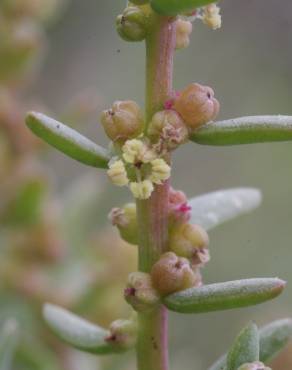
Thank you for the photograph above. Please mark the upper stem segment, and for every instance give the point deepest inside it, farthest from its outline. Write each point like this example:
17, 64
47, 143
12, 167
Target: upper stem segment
152, 346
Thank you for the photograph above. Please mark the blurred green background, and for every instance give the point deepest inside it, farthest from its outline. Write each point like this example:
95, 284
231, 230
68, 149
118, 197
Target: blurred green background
248, 63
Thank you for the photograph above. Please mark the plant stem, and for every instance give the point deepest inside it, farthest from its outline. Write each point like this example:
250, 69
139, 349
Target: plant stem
152, 344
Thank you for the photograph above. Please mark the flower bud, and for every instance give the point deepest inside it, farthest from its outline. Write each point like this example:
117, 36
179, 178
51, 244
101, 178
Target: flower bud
254, 366
132, 25
196, 105
190, 241
117, 173
168, 130
123, 121
123, 334
211, 16
160, 171
142, 190
172, 274
140, 293
126, 221
183, 32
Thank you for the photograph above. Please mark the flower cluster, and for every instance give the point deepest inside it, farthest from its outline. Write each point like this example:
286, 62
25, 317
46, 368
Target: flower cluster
139, 168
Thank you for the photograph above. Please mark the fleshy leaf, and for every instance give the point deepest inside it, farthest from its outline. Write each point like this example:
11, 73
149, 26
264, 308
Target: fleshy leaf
67, 140
273, 338
175, 7
78, 332
245, 348
8, 343
212, 209
245, 130
224, 296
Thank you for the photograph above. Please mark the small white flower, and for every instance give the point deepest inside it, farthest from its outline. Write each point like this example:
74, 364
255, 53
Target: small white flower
135, 151
117, 173
142, 189
160, 171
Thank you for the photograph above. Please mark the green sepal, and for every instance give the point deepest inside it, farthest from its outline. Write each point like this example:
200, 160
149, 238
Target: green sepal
245, 130
67, 140
78, 332
212, 209
245, 349
273, 338
224, 296
8, 342
175, 7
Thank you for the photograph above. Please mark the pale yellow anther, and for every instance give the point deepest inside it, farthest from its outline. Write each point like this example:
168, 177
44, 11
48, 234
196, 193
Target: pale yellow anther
117, 173
160, 171
211, 16
135, 151
142, 190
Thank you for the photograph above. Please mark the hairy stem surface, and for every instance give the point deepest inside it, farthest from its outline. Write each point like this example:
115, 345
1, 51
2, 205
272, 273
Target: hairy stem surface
152, 345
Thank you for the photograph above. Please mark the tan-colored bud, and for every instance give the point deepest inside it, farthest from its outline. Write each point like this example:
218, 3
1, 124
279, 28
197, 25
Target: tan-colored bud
140, 293
167, 129
190, 241
142, 190
123, 121
172, 274
160, 171
123, 334
254, 366
126, 221
183, 32
196, 105
132, 25
211, 16
117, 173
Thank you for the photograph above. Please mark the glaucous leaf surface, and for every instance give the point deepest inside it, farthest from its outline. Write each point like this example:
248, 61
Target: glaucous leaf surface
76, 331
273, 338
245, 349
224, 296
245, 130
67, 140
212, 209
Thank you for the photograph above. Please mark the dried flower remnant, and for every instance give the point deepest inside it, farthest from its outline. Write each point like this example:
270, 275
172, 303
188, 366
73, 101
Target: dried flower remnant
211, 16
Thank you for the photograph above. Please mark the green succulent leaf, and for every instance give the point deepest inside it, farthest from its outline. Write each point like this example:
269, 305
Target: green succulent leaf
245, 349
245, 130
8, 344
77, 332
175, 7
224, 296
212, 209
273, 338
67, 140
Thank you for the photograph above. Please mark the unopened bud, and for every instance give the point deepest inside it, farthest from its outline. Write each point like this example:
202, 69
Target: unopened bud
123, 121
142, 190
132, 25
117, 173
190, 241
179, 210
160, 171
126, 221
196, 105
183, 32
172, 274
140, 293
211, 16
254, 366
167, 129
123, 334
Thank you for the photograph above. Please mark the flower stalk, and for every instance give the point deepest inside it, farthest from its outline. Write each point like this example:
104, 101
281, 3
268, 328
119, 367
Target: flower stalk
152, 346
